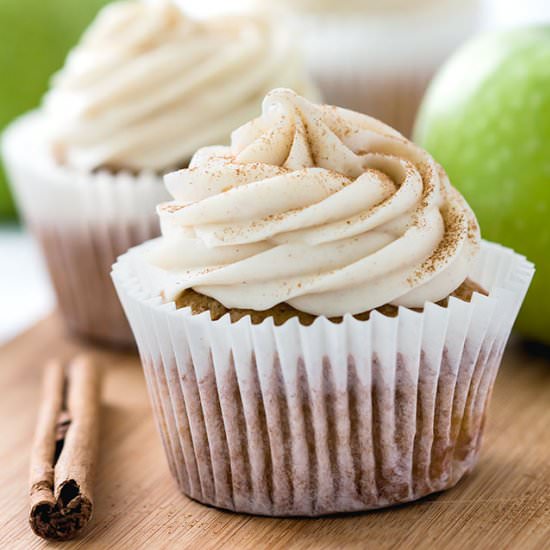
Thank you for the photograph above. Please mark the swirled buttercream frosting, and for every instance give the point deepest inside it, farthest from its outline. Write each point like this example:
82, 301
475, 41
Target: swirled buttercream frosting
322, 208
148, 85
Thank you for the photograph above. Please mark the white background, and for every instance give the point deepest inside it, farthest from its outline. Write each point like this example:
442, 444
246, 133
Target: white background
25, 294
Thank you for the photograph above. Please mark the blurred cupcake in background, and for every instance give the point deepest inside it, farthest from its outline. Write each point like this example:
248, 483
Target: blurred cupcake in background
378, 56
146, 87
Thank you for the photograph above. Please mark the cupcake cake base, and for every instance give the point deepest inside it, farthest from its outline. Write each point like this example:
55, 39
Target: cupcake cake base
281, 313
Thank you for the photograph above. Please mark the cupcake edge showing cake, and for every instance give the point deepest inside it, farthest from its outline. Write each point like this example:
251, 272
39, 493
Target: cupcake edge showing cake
281, 313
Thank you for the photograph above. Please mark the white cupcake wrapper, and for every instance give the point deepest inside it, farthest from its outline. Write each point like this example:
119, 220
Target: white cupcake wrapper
382, 64
311, 420
83, 222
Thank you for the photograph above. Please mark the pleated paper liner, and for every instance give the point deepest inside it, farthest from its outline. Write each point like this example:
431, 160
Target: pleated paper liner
311, 420
83, 222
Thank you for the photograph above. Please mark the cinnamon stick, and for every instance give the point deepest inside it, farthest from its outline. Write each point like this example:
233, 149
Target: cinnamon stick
65, 450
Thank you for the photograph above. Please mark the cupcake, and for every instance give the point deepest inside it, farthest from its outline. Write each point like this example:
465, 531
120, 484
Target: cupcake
320, 324
143, 90
378, 56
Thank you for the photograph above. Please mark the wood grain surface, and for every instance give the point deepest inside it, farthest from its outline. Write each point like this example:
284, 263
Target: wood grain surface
505, 503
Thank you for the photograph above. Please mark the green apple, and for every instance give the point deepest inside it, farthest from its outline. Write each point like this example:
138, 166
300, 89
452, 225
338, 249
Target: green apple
486, 119
36, 36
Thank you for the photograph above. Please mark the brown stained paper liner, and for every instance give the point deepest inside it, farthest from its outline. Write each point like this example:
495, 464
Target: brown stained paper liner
311, 420
83, 222
382, 63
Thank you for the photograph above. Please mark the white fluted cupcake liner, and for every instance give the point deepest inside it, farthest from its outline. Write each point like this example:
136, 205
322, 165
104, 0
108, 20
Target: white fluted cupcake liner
381, 64
310, 420
83, 222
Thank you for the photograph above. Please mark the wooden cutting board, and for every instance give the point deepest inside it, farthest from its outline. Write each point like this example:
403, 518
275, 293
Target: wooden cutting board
505, 503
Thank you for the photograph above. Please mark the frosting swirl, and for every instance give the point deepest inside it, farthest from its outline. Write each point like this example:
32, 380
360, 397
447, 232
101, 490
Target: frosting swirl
328, 210
147, 86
